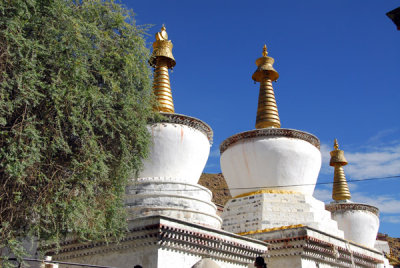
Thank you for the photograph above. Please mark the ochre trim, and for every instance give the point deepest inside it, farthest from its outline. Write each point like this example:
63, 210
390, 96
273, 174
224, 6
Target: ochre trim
266, 191
271, 229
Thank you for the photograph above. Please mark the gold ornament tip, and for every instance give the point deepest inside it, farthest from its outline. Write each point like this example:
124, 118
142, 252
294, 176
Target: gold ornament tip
265, 53
162, 34
335, 145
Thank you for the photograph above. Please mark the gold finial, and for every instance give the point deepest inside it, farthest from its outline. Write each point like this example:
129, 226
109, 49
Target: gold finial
162, 35
162, 60
335, 145
267, 111
265, 53
340, 189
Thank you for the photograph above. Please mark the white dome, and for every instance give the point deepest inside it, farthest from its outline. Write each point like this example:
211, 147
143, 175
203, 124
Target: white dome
179, 150
167, 185
274, 158
359, 222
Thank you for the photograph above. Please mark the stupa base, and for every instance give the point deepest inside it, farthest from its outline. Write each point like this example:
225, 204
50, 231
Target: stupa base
307, 247
171, 198
266, 209
162, 242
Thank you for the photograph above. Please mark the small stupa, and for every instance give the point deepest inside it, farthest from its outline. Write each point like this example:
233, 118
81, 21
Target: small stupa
360, 222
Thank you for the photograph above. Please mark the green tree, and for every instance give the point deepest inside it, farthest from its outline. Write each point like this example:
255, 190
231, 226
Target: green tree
75, 97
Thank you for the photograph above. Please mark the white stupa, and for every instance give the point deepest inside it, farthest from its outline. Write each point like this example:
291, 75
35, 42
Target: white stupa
360, 222
180, 147
272, 173
172, 221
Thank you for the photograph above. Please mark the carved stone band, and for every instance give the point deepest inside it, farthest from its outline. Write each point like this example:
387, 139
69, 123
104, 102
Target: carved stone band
270, 132
333, 207
188, 121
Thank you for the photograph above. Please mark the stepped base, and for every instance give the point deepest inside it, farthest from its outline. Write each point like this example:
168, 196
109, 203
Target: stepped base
172, 198
162, 242
268, 209
305, 247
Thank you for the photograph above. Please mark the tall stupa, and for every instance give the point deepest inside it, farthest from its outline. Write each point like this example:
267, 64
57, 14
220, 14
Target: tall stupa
360, 222
171, 219
180, 147
271, 172
273, 166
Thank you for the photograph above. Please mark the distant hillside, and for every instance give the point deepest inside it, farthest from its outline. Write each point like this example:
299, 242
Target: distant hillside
394, 244
217, 184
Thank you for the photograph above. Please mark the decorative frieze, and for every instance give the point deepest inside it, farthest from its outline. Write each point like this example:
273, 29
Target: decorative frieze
162, 233
305, 243
188, 121
336, 207
272, 133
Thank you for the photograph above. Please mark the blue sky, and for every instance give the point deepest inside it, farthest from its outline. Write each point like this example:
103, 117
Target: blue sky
339, 66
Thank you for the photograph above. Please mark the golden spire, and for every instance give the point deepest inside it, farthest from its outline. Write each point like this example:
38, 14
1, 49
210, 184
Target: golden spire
267, 111
340, 188
162, 60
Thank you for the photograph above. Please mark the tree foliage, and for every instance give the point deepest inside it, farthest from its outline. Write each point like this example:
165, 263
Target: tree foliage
75, 96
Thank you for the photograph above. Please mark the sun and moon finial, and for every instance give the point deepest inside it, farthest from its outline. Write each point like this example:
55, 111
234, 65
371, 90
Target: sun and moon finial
162, 35
265, 53
336, 145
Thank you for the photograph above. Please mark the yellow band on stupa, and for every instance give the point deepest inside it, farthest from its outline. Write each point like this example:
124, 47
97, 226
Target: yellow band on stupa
271, 229
267, 191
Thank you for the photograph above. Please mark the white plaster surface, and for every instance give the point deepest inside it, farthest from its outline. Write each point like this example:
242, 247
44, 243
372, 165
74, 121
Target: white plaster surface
172, 198
144, 256
360, 226
177, 151
382, 246
150, 251
385, 264
174, 259
270, 210
295, 253
271, 162
168, 183
148, 257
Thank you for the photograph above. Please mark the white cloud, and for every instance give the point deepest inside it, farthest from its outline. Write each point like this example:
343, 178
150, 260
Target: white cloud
390, 219
379, 162
214, 153
325, 153
210, 165
386, 204
378, 137
323, 195
352, 186
373, 162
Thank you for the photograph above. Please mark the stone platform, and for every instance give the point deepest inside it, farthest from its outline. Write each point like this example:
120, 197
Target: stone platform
307, 247
267, 209
159, 241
